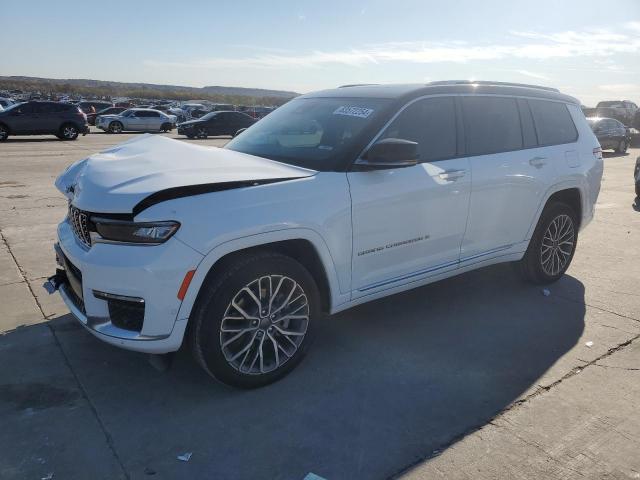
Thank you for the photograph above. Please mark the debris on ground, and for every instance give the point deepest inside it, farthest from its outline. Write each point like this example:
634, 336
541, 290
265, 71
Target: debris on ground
48, 476
589, 344
546, 292
185, 457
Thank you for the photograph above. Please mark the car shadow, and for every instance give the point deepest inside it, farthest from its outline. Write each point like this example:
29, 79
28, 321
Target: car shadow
614, 154
26, 139
384, 386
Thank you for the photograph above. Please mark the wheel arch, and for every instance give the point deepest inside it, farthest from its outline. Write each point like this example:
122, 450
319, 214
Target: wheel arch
303, 245
569, 193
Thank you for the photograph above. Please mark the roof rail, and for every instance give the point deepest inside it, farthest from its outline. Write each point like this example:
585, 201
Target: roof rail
485, 82
358, 85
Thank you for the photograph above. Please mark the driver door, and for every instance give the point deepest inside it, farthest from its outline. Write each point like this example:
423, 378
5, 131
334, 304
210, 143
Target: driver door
408, 223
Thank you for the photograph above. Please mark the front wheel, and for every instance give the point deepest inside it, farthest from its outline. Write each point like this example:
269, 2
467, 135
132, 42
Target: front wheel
552, 245
202, 132
115, 127
4, 133
68, 132
253, 321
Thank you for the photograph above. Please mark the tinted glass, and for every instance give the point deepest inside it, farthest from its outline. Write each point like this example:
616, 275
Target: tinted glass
492, 125
553, 122
153, 114
431, 123
319, 133
43, 107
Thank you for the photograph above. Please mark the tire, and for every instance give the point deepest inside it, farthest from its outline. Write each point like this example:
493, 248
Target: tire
190, 136
115, 127
68, 131
235, 358
622, 147
4, 133
166, 127
201, 132
544, 261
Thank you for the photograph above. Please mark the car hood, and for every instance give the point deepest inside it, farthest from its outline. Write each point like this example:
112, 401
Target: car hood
149, 169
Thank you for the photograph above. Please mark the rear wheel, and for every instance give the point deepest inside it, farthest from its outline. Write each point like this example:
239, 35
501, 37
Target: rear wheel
622, 147
253, 321
115, 127
68, 132
4, 133
165, 127
552, 245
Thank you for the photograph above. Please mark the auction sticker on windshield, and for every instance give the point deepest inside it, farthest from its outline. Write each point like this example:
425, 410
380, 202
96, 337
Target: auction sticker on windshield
360, 112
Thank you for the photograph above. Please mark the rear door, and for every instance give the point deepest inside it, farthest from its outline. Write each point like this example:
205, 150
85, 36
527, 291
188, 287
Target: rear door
154, 120
136, 121
511, 173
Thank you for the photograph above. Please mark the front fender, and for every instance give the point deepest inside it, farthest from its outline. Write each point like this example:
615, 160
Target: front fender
209, 261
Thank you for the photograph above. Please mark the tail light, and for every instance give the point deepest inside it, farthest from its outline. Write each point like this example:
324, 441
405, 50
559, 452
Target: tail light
597, 152
81, 113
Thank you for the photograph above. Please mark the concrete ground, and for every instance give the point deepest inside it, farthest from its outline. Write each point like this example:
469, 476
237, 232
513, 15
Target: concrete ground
478, 376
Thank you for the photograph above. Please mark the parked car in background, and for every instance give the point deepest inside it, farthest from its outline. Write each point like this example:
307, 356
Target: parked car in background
216, 124
5, 102
610, 133
335, 199
63, 120
625, 111
91, 117
636, 176
137, 120
98, 105
257, 112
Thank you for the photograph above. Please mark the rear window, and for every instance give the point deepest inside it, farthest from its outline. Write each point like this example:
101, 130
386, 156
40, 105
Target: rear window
553, 122
492, 125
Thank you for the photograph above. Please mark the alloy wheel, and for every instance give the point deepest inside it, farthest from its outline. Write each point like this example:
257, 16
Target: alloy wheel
264, 324
557, 245
69, 132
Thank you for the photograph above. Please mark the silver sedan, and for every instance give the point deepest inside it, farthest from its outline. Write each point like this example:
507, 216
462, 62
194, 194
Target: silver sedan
137, 120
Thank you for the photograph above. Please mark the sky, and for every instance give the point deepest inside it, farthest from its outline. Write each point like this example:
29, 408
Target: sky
587, 48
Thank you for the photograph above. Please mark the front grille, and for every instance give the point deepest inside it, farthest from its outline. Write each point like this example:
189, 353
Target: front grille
79, 221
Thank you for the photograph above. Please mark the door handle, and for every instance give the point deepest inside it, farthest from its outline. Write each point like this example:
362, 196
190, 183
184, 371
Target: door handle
452, 175
538, 162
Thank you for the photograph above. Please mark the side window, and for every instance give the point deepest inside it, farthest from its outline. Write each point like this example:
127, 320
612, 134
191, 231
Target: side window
553, 122
492, 125
528, 129
430, 122
153, 114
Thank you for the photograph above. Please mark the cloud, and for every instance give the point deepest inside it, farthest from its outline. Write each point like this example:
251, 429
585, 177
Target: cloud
620, 87
527, 73
530, 45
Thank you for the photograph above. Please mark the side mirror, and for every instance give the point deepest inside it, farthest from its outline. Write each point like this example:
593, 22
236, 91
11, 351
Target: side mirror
391, 153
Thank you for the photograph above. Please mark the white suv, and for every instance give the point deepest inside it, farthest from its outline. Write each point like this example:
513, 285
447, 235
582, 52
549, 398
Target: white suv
335, 199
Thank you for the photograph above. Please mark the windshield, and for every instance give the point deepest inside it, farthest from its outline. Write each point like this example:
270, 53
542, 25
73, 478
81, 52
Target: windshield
316, 133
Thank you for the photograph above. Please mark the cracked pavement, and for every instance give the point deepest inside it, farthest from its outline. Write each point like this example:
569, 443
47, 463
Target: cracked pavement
478, 376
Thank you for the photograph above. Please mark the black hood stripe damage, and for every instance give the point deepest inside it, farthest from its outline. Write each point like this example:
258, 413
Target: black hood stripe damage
191, 190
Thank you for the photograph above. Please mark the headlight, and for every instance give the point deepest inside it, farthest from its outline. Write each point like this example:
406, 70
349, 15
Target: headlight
149, 233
